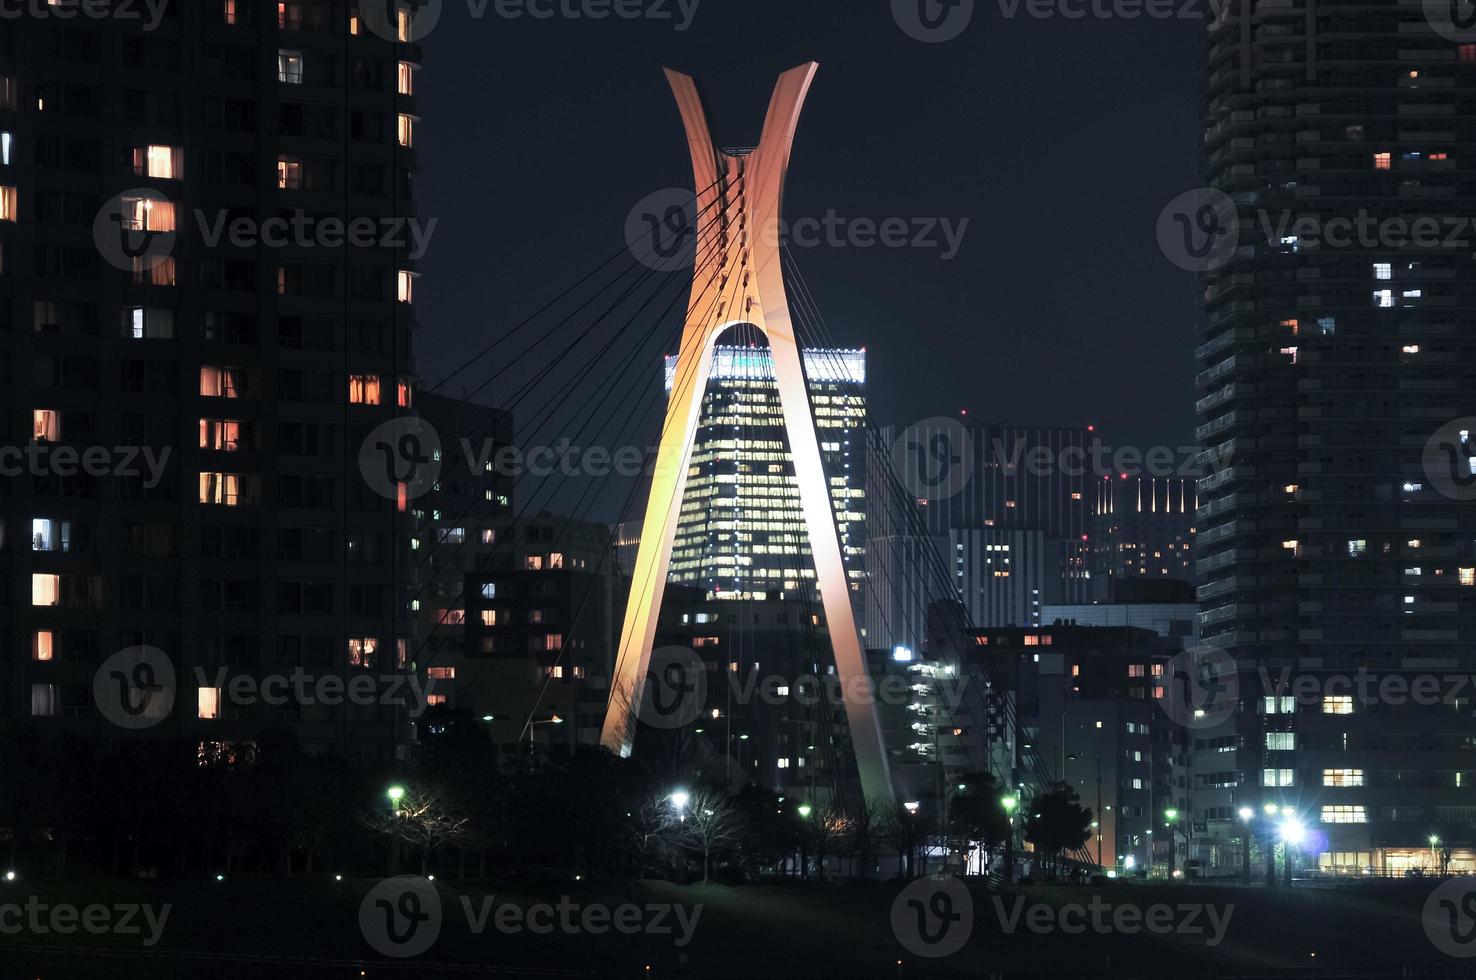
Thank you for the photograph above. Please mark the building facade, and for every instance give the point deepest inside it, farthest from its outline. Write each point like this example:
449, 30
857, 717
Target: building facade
741, 534
1142, 527
252, 372
1338, 360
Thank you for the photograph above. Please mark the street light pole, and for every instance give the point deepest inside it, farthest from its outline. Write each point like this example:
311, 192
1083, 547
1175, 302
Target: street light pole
1246, 815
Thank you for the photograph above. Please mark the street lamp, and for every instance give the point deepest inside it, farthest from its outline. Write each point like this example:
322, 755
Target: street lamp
1292, 833
1170, 816
1246, 815
1010, 802
805, 810
1434, 856
679, 799
396, 793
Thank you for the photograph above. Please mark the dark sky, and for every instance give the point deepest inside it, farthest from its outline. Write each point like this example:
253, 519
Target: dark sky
1060, 141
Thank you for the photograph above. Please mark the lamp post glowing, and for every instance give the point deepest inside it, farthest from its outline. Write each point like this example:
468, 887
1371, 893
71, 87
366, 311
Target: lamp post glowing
1434, 855
1292, 833
1011, 803
680, 799
805, 810
1246, 815
395, 793
1170, 817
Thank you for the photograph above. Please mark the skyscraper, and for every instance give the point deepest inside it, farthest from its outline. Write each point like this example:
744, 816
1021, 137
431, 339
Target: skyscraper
252, 363
1336, 344
741, 534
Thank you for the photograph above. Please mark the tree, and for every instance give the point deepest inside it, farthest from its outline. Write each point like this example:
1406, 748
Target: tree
650, 831
710, 823
903, 829
1058, 823
867, 821
770, 828
423, 819
975, 816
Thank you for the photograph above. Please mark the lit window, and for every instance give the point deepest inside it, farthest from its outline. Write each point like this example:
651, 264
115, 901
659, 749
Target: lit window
289, 67
1466, 52
228, 12
45, 589
1342, 777
144, 323
220, 382
1278, 777
1337, 704
405, 286
223, 489
43, 645
1344, 814
489, 590
405, 129
403, 393
46, 425
556, 560
1281, 741
441, 673
1357, 547
363, 389
7, 203
208, 703
1136, 670
361, 650
162, 162
402, 22
533, 563
1382, 161
289, 15
1383, 270
406, 78
489, 617
289, 174
50, 535
222, 434
1467, 576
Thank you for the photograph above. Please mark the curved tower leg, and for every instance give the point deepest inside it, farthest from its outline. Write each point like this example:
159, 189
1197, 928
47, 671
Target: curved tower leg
741, 208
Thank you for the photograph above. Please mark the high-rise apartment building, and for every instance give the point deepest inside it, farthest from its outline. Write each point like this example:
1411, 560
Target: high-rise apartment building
741, 534
174, 197
1337, 541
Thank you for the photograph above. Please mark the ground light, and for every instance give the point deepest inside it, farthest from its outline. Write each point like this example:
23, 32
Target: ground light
1246, 813
805, 811
395, 794
10, 876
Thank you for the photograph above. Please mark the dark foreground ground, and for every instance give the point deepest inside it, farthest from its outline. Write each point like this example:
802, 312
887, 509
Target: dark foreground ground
280, 928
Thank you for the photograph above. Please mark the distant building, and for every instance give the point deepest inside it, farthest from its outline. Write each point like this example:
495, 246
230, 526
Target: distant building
741, 534
1165, 606
1007, 577
540, 636
459, 520
1084, 701
1142, 527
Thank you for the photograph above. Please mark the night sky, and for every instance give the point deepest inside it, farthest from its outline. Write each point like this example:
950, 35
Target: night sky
1060, 141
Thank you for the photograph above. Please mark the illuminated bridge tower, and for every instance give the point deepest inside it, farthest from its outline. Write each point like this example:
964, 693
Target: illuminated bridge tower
738, 207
